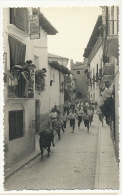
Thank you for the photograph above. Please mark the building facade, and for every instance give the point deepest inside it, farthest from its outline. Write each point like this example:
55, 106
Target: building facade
93, 62
110, 36
101, 60
58, 72
79, 78
20, 110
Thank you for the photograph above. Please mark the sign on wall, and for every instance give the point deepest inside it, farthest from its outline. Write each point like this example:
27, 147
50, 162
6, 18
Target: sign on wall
34, 27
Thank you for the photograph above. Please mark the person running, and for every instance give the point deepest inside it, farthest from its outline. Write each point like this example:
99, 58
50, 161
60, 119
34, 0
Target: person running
80, 113
57, 126
64, 119
100, 115
72, 116
86, 119
55, 109
53, 116
91, 113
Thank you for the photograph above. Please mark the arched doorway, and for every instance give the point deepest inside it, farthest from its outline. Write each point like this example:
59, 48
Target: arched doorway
79, 95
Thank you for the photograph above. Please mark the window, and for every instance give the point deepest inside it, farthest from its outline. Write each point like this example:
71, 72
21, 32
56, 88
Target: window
78, 72
19, 17
15, 124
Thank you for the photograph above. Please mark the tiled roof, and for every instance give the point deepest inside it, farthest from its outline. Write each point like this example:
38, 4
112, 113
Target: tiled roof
94, 36
56, 56
46, 25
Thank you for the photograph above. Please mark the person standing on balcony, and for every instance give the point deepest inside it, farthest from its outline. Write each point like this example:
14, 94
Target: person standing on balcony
29, 72
24, 79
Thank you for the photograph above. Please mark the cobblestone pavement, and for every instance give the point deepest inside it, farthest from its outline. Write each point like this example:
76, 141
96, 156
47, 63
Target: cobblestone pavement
71, 164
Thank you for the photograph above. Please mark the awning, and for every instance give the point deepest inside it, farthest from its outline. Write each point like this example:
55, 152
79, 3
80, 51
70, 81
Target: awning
17, 51
107, 78
112, 49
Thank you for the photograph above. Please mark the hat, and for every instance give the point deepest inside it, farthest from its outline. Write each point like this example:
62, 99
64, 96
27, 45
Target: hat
44, 69
29, 62
32, 65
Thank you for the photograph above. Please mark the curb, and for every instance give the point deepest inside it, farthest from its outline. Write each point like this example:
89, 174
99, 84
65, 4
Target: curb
96, 183
22, 166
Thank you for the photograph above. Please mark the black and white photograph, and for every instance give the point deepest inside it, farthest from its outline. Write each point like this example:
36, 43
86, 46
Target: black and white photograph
61, 98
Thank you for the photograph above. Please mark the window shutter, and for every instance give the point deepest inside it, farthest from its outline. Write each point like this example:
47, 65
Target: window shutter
15, 124
12, 124
19, 123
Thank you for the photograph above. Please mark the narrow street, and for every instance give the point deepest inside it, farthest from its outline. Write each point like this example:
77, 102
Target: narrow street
71, 164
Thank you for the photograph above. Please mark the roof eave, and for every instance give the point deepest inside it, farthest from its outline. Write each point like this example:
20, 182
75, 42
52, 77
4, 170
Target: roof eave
93, 37
46, 25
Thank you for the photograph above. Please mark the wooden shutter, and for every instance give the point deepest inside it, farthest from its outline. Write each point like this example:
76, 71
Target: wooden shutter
12, 125
15, 124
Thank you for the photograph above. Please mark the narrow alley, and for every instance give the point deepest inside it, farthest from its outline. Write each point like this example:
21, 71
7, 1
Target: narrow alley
71, 164
60, 71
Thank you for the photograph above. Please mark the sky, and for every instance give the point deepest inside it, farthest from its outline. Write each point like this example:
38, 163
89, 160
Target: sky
75, 26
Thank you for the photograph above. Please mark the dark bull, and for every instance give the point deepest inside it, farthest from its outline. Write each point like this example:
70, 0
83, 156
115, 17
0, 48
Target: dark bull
46, 138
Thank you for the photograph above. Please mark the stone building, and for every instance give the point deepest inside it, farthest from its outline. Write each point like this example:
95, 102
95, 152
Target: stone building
79, 78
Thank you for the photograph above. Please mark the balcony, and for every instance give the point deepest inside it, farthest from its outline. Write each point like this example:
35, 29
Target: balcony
108, 69
106, 78
18, 87
112, 45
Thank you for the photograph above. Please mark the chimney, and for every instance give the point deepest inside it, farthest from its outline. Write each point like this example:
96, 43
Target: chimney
71, 64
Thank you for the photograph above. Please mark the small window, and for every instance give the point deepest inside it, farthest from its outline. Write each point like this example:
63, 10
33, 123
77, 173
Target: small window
78, 72
15, 124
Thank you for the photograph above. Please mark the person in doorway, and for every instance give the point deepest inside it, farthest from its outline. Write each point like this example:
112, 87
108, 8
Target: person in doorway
72, 116
108, 103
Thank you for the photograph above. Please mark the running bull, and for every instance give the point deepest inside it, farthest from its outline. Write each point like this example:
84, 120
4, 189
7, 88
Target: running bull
45, 140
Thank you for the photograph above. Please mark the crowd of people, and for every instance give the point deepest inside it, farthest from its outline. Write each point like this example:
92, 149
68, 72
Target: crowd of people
77, 112
72, 111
